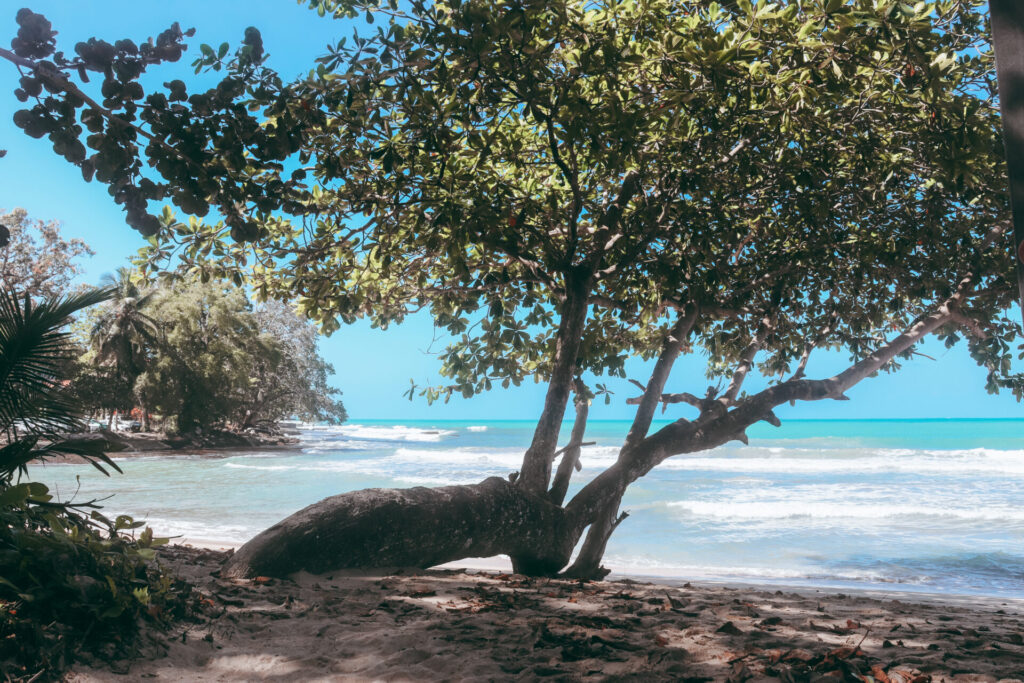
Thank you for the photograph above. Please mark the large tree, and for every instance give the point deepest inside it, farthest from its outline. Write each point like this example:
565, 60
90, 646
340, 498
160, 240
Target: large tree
293, 382
219, 361
566, 184
34, 258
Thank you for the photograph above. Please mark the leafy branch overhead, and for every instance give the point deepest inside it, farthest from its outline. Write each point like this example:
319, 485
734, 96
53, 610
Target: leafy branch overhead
809, 158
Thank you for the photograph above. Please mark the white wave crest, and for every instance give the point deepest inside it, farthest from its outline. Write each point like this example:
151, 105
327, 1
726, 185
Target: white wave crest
797, 509
477, 428
201, 531
981, 461
400, 433
265, 468
642, 566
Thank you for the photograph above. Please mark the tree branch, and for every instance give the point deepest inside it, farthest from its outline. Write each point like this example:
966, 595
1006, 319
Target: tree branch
684, 397
670, 351
747, 361
574, 184
809, 347
571, 453
57, 78
970, 324
612, 214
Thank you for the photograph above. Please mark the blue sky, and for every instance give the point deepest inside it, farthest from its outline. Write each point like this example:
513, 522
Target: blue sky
374, 366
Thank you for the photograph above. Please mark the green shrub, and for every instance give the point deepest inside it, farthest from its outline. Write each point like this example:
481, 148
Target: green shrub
72, 581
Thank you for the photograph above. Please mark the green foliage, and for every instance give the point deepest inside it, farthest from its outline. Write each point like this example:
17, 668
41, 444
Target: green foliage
199, 374
831, 167
70, 579
36, 260
219, 361
123, 333
35, 400
293, 381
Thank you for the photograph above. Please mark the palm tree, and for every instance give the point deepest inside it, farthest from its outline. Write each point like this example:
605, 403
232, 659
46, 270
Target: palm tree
35, 403
123, 334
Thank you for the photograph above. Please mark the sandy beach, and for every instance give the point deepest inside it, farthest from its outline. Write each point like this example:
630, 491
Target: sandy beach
463, 624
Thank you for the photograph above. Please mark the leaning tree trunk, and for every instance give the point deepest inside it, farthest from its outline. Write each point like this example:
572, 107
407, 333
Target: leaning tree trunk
535, 474
419, 527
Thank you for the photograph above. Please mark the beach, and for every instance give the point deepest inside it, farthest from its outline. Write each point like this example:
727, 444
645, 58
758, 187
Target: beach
860, 551
930, 506
484, 625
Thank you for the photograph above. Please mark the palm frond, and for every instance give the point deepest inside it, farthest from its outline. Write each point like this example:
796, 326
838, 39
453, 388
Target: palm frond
33, 349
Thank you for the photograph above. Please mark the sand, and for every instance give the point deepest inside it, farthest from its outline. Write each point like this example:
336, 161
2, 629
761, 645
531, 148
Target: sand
464, 625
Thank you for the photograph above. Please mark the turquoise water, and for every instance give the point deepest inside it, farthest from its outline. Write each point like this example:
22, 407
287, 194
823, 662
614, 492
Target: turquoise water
925, 505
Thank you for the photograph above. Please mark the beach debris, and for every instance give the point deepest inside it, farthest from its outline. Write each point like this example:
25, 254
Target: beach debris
730, 628
527, 635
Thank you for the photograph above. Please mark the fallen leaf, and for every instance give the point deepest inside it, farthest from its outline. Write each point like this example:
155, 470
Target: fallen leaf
730, 628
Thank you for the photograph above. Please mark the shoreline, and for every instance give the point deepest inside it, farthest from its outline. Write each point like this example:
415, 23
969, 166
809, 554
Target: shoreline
453, 624
504, 566
129, 445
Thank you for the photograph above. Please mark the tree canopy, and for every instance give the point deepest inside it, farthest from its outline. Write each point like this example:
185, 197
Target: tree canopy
834, 156
34, 258
199, 355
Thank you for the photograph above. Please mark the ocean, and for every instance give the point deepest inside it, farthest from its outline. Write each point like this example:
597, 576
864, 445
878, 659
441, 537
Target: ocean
908, 505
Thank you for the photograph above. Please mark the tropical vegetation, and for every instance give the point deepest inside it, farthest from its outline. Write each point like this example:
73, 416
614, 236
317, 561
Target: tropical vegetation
218, 361
34, 258
123, 333
71, 580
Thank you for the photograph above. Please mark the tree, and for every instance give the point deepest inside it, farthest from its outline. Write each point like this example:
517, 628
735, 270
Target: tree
220, 361
37, 408
202, 369
292, 383
564, 185
34, 258
123, 334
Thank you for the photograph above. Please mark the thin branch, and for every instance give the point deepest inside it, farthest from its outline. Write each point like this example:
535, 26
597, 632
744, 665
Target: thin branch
574, 184
811, 345
612, 214
747, 360
684, 397
571, 453
671, 349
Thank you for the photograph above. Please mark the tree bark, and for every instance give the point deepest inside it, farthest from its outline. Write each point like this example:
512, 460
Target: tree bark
588, 562
670, 351
419, 527
536, 470
571, 453
604, 512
